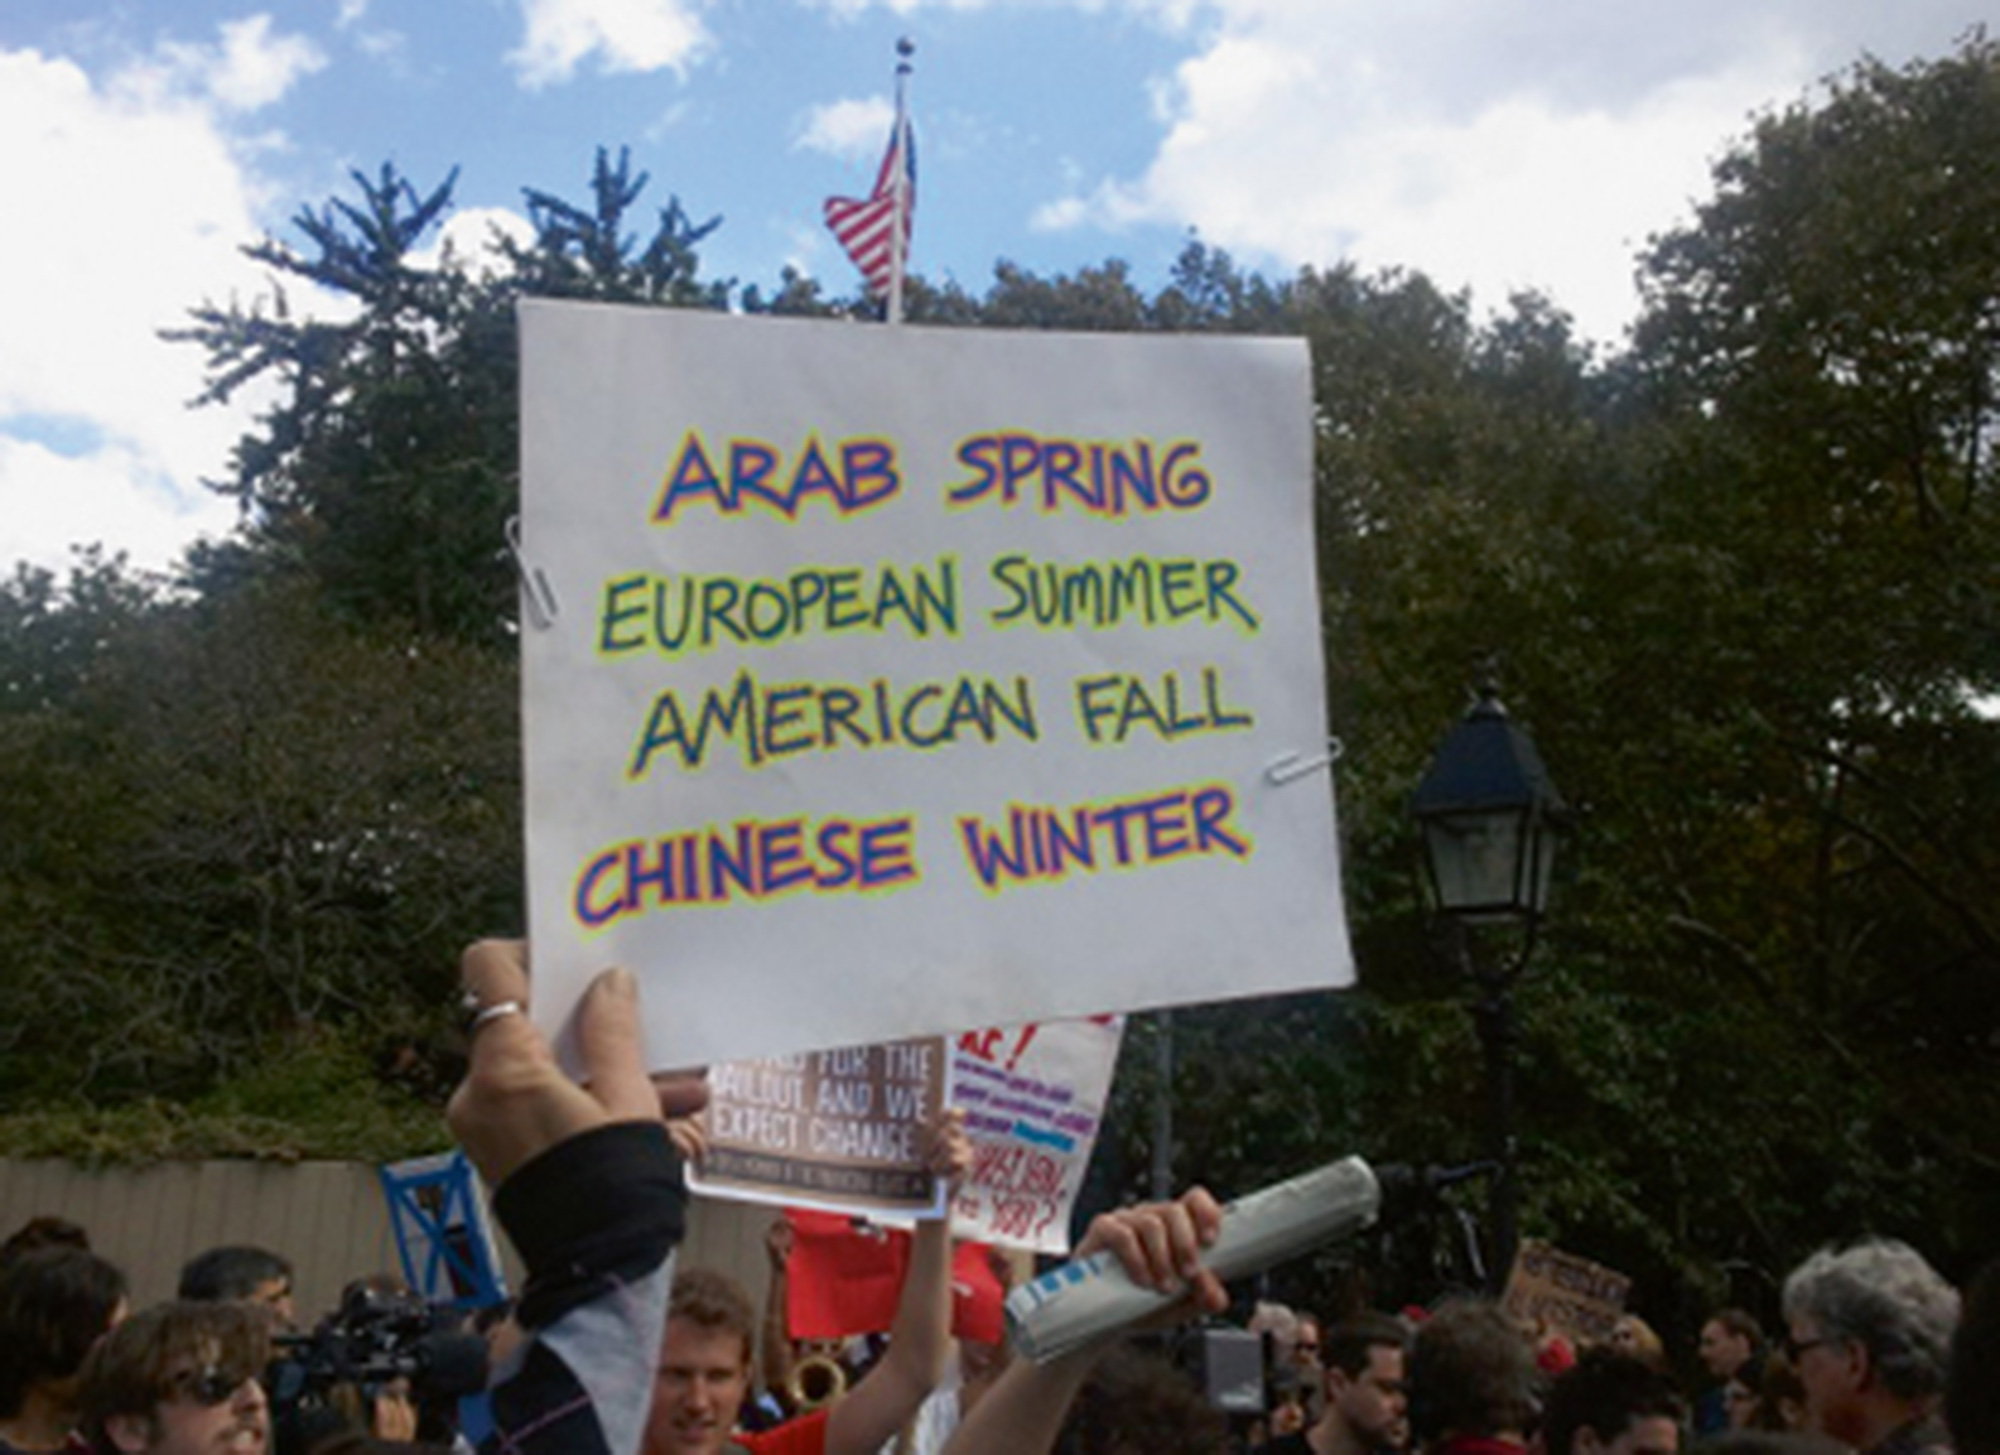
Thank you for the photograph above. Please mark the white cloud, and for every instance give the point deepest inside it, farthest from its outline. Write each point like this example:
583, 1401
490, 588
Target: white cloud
805, 245
257, 67
472, 238
375, 42
1172, 13
849, 130
114, 494
625, 35
667, 122
143, 203
1506, 144
247, 69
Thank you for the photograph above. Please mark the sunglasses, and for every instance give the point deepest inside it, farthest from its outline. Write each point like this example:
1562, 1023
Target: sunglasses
208, 1386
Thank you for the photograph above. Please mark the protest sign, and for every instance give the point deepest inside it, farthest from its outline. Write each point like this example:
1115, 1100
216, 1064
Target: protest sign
1550, 1289
879, 682
1034, 1098
841, 1129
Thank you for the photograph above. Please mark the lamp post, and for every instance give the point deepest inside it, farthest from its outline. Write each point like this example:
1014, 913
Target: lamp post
1490, 819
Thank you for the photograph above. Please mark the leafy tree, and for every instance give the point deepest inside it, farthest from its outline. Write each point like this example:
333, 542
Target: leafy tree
1097, 300
1819, 351
797, 296
242, 825
384, 470
579, 253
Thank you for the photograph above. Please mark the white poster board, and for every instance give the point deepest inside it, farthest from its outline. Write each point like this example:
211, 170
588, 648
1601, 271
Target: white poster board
904, 679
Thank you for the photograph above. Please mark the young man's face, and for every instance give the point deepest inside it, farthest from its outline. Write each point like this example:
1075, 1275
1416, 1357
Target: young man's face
275, 1294
1720, 1350
204, 1414
698, 1390
1374, 1403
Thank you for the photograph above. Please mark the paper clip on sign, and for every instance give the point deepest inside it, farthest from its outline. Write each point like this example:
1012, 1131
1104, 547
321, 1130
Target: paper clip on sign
1294, 766
535, 588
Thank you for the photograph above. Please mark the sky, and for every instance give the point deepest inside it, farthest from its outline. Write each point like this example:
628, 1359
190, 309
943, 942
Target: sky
1494, 145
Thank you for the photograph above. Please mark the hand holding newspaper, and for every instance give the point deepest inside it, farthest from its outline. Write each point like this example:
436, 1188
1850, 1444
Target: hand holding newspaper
1090, 1299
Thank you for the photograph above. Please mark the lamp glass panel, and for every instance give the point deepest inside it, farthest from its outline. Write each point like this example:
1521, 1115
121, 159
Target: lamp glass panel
1476, 860
1541, 847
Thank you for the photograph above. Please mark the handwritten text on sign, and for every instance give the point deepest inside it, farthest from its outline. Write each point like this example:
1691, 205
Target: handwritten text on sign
903, 680
1034, 1099
1549, 1287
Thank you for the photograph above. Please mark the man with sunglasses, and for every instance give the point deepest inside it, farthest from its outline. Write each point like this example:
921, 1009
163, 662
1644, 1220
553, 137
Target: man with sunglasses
1870, 1338
180, 1379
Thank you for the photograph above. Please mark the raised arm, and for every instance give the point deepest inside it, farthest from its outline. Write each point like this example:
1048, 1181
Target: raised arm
920, 1338
774, 1340
587, 1186
1160, 1246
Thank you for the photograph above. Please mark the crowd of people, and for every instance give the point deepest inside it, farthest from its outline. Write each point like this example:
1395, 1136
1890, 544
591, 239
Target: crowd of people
609, 1349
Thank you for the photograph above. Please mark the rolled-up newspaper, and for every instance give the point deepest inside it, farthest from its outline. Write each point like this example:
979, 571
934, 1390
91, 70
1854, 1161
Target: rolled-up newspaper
1091, 1298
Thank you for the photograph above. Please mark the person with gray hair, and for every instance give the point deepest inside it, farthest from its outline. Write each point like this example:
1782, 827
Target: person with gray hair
1870, 1336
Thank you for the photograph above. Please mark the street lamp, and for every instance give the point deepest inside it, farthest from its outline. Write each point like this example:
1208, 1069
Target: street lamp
1490, 819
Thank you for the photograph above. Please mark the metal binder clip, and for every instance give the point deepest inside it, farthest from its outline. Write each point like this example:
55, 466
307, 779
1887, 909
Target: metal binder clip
1297, 765
535, 588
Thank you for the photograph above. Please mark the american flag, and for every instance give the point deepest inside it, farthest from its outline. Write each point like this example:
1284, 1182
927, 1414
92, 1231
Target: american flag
875, 229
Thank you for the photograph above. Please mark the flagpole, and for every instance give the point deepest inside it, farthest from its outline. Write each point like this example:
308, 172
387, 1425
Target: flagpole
899, 222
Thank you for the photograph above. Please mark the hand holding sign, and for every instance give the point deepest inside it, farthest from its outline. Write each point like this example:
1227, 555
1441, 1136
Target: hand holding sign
947, 1149
515, 1102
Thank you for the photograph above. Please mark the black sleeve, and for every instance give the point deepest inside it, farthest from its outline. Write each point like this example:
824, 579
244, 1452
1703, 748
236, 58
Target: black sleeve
595, 1219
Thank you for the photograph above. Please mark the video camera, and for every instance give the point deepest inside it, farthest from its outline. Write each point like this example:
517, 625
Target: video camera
323, 1381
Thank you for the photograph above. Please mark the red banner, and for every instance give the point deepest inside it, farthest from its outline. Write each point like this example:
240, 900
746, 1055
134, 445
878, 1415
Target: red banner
844, 1277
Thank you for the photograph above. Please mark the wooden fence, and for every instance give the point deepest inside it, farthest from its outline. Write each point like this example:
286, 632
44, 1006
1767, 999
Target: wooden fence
328, 1218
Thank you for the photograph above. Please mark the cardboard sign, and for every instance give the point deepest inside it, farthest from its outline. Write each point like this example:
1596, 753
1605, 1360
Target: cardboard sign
840, 1130
880, 682
1549, 1288
1034, 1098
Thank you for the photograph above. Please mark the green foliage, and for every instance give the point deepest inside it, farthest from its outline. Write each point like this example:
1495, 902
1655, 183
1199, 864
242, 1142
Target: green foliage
319, 1097
386, 468
1207, 292
386, 471
242, 821
1819, 360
